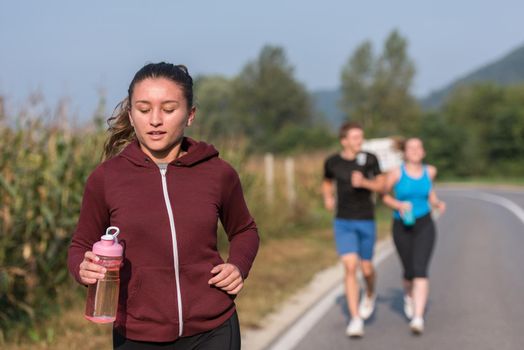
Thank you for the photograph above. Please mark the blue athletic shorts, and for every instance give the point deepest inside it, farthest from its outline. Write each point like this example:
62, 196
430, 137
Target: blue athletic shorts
355, 236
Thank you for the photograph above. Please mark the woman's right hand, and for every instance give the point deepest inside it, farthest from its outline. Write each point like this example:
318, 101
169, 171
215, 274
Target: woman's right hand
403, 207
90, 271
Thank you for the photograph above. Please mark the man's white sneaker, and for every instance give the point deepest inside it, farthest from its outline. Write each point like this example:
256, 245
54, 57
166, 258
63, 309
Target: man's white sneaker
355, 328
417, 325
408, 306
367, 306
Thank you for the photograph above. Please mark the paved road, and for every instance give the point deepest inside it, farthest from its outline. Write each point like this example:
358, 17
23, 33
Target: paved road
477, 284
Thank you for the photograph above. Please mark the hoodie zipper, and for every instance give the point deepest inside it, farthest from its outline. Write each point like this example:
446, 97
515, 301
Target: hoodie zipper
175, 250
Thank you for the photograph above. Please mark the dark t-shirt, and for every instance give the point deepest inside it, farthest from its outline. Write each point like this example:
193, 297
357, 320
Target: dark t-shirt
352, 203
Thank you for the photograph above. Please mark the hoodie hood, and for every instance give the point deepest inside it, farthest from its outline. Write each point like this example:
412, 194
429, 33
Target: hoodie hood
196, 152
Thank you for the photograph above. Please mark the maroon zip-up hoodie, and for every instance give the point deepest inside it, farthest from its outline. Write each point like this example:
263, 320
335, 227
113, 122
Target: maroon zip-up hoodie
170, 242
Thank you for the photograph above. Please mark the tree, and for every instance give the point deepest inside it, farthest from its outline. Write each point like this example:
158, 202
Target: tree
478, 132
505, 133
376, 91
357, 80
442, 142
267, 98
396, 109
215, 118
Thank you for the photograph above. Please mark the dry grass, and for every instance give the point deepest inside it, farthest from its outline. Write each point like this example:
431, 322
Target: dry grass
71, 331
282, 267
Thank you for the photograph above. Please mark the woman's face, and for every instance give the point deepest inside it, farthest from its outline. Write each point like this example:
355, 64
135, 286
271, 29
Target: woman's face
414, 151
159, 114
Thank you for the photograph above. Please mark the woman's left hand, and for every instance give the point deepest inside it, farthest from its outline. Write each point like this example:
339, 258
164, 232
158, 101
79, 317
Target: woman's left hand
228, 278
441, 207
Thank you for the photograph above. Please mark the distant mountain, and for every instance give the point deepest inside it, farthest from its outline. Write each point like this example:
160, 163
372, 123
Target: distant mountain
505, 71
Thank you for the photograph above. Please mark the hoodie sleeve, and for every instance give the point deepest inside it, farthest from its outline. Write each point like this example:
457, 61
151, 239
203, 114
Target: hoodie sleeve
94, 218
238, 224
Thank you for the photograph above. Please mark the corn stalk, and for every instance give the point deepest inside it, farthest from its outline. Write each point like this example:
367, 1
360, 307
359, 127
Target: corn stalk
42, 174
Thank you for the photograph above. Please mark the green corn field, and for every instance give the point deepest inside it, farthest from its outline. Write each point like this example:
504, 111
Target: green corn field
42, 170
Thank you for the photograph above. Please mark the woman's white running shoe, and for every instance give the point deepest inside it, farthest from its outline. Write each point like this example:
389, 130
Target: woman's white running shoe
417, 325
408, 306
355, 328
367, 306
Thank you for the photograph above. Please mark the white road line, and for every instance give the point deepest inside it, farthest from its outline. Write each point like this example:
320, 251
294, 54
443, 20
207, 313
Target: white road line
298, 330
499, 200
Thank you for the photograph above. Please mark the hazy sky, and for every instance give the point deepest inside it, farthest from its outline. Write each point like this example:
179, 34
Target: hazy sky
72, 48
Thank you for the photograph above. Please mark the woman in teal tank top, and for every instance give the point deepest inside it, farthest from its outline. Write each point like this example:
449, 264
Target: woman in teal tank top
413, 228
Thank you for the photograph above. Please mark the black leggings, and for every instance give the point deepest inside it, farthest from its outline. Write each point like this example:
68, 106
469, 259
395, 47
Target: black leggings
415, 245
224, 337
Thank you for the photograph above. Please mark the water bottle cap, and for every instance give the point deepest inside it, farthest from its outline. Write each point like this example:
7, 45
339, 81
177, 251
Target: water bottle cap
109, 236
108, 245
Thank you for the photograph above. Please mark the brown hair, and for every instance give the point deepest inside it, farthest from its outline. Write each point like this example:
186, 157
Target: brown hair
344, 128
400, 142
121, 132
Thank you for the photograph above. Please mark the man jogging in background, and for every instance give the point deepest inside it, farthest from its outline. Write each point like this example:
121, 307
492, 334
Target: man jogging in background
356, 175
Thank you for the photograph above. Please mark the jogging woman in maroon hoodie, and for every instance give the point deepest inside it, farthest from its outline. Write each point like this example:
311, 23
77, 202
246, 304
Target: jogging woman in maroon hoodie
166, 193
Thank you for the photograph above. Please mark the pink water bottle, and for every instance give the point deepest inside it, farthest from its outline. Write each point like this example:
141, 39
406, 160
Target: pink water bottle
102, 297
